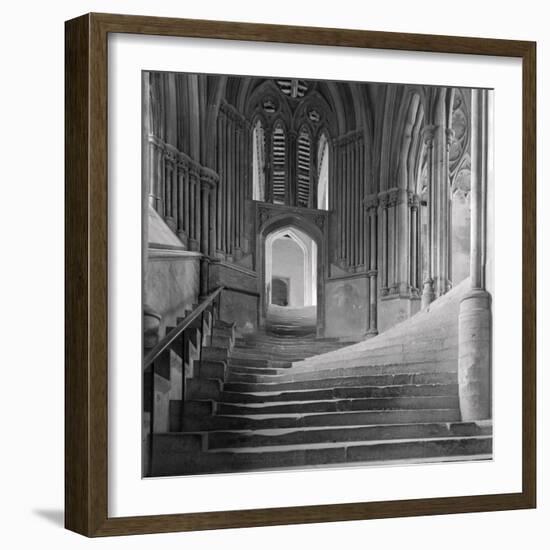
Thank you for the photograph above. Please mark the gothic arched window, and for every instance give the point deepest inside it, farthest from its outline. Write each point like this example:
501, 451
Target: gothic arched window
258, 162
322, 171
304, 167
278, 157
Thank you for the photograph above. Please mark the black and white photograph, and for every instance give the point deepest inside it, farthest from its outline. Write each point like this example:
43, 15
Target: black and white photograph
318, 280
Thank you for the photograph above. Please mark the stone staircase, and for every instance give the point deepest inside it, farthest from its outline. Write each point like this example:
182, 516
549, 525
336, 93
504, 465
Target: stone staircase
273, 401
295, 321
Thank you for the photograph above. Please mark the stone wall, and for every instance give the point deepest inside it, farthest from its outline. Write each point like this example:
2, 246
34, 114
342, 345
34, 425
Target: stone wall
171, 274
171, 284
346, 306
240, 300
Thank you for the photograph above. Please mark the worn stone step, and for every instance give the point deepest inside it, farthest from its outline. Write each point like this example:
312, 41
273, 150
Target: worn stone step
259, 342
281, 366
212, 369
258, 422
223, 331
398, 379
254, 370
284, 345
222, 341
442, 356
259, 364
293, 375
246, 362
279, 351
213, 353
224, 324
204, 388
306, 436
178, 442
339, 393
409, 346
339, 405
168, 461
287, 344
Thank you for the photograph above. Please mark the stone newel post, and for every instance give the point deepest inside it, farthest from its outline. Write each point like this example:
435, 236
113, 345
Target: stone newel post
474, 321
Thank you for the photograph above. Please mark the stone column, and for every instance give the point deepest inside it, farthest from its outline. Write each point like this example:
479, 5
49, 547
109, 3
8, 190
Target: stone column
340, 198
186, 201
152, 172
384, 245
174, 189
354, 185
213, 217
391, 239
194, 194
204, 276
205, 217
160, 179
182, 202
229, 191
414, 203
268, 192
474, 321
428, 294
372, 261
438, 139
222, 171
347, 213
403, 243
167, 190
239, 186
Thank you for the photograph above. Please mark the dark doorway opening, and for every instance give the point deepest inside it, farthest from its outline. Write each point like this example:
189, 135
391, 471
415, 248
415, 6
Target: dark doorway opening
280, 291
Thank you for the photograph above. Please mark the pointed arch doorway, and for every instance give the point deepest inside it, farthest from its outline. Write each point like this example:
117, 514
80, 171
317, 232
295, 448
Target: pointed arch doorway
290, 251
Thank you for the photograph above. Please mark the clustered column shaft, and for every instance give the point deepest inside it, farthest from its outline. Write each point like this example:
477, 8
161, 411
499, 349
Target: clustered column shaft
349, 174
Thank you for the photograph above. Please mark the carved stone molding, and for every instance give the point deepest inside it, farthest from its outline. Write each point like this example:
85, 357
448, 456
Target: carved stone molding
450, 136
371, 202
263, 214
428, 133
177, 159
393, 196
350, 137
460, 124
383, 199
209, 176
232, 114
413, 200
320, 221
266, 211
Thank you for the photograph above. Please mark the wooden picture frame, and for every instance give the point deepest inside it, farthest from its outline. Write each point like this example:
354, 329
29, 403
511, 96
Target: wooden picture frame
86, 359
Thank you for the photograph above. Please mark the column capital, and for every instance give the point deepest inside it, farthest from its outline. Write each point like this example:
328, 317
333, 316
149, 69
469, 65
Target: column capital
428, 133
413, 200
383, 199
371, 202
396, 195
209, 178
292, 134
